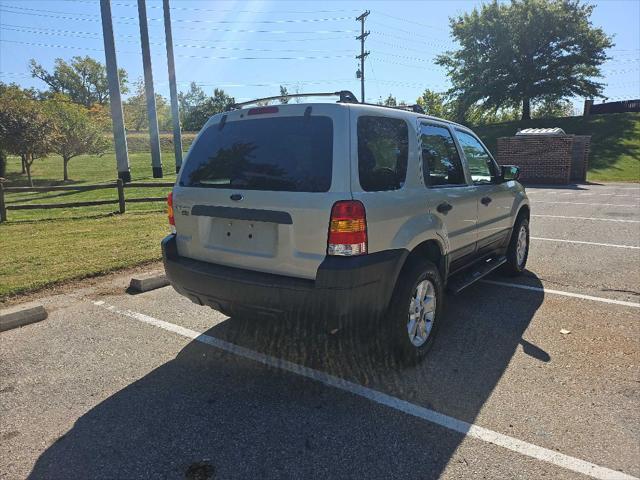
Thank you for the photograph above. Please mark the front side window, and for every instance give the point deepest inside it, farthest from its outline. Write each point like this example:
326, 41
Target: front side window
440, 159
481, 165
291, 154
383, 145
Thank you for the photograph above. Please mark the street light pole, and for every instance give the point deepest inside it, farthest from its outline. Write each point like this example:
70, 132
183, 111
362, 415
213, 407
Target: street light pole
154, 136
173, 91
115, 102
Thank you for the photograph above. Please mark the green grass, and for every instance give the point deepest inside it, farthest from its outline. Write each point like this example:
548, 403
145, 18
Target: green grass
42, 253
615, 142
43, 247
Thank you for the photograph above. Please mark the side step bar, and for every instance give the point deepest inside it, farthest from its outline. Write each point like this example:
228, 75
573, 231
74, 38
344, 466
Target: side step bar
462, 280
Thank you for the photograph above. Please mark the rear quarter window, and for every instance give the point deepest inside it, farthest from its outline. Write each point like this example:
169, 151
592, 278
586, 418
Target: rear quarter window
383, 145
292, 154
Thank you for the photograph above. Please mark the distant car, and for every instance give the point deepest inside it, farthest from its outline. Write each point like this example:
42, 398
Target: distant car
342, 212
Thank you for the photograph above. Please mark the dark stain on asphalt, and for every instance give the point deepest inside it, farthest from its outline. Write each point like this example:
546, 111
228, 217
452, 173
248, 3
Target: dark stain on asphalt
10, 435
8, 389
200, 471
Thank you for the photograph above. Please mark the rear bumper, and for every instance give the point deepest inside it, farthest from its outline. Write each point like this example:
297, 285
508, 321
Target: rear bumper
344, 288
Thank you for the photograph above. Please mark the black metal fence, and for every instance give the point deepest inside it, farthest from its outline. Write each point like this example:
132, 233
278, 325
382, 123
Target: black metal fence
615, 107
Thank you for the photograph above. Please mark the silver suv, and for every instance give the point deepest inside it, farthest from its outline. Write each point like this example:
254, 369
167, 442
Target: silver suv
340, 212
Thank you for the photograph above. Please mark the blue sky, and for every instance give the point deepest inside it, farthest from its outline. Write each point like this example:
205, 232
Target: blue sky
308, 44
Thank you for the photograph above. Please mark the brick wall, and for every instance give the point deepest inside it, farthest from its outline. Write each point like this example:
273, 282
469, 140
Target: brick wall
542, 159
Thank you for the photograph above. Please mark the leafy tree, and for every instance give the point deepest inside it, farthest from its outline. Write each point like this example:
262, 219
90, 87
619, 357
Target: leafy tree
200, 112
434, 104
189, 100
549, 108
284, 93
390, 101
25, 127
135, 110
84, 79
525, 51
79, 134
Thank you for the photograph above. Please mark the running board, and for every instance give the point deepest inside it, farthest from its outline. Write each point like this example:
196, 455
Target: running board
462, 280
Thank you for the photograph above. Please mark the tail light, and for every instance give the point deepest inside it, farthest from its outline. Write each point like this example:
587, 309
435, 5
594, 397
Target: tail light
347, 229
172, 220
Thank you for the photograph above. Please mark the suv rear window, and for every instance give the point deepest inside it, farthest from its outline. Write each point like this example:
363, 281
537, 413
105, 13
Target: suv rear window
293, 154
382, 153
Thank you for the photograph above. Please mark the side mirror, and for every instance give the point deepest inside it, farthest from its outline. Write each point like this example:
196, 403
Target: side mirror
509, 172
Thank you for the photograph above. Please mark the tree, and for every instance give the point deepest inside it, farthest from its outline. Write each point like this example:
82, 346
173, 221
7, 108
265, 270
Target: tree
135, 110
199, 113
553, 109
390, 101
283, 91
78, 133
25, 127
524, 52
189, 100
84, 79
434, 104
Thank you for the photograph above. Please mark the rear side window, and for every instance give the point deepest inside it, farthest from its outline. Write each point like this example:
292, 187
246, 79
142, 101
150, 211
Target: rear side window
293, 154
382, 153
440, 159
481, 166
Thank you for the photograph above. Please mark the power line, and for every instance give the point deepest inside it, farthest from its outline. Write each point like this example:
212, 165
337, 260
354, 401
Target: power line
136, 40
74, 33
223, 10
225, 30
279, 21
302, 57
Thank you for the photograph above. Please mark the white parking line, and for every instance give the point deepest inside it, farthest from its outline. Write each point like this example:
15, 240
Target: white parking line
451, 423
585, 243
589, 203
588, 218
564, 294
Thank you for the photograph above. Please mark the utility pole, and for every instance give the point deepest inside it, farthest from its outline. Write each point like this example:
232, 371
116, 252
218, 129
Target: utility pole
173, 91
154, 137
117, 118
363, 35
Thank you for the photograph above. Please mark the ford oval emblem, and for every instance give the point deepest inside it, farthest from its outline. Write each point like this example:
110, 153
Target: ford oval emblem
236, 197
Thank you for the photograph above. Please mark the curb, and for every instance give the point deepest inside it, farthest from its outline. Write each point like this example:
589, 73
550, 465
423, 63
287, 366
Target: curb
20, 316
144, 284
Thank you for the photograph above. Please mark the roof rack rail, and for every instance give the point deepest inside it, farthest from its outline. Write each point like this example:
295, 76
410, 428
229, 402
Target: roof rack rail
345, 97
409, 108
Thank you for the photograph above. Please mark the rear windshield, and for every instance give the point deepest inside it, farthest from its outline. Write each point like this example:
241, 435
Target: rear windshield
293, 154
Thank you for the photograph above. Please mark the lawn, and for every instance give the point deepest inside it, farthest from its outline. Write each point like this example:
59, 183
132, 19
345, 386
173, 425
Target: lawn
43, 247
615, 142
36, 254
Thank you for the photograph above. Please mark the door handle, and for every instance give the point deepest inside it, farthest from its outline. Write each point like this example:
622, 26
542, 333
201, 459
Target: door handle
444, 207
486, 200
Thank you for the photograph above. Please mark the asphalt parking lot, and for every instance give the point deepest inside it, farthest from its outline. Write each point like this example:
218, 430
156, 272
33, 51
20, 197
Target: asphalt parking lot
114, 385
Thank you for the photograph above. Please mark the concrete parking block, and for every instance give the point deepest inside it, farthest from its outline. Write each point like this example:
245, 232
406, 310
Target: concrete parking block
21, 315
145, 283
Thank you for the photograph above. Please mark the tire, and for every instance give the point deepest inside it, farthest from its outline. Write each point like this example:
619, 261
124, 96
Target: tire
516, 263
396, 337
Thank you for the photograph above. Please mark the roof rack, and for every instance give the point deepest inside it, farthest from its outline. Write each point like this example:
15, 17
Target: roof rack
409, 108
345, 97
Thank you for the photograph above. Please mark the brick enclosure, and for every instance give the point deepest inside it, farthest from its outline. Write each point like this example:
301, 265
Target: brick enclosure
546, 158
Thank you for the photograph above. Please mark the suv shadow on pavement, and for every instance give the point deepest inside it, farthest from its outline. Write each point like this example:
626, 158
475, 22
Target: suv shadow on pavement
210, 414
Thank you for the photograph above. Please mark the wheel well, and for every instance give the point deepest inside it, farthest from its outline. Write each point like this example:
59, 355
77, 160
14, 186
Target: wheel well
430, 250
524, 211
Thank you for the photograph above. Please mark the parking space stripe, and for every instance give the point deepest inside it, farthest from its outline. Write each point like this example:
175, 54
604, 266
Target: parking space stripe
589, 203
565, 294
451, 423
585, 243
587, 218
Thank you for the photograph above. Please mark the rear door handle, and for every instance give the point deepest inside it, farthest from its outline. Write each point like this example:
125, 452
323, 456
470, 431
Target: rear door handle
444, 207
486, 200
